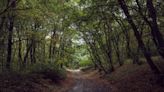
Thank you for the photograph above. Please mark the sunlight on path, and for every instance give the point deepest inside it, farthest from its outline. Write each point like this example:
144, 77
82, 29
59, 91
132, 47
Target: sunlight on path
85, 84
74, 71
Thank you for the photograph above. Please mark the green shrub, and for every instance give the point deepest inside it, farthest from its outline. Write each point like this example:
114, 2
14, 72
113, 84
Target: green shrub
49, 71
85, 63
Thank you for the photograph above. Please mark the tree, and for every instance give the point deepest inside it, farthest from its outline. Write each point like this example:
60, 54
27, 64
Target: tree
10, 32
138, 37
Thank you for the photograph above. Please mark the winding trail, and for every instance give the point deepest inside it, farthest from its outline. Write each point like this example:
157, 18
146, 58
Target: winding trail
86, 83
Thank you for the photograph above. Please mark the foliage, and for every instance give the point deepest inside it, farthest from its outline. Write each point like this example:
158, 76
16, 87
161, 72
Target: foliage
49, 71
48, 35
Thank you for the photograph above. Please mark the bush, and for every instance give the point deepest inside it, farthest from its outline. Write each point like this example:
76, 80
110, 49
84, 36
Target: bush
49, 71
85, 63
31, 78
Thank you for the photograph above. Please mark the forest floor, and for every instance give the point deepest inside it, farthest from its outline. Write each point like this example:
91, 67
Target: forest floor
127, 78
136, 78
76, 81
32, 83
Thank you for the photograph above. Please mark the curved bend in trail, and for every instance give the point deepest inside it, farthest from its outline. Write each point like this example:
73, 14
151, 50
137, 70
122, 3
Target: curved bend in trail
85, 83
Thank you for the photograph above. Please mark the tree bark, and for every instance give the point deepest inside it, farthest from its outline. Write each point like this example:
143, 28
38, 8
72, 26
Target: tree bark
26, 54
2, 23
155, 30
10, 33
152, 23
139, 38
19, 49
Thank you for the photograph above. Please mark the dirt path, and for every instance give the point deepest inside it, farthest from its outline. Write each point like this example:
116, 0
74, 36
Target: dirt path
87, 83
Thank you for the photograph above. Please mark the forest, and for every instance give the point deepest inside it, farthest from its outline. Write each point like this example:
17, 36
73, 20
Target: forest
75, 45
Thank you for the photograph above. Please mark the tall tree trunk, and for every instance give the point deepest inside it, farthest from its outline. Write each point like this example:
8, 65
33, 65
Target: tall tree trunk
152, 23
95, 55
9, 45
126, 34
26, 54
19, 49
110, 61
2, 42
155, 30
1, 24
92, 58
32, 51
50, 49
108, 44
10, 33
31, 54
136, 56
138, 37
117, 50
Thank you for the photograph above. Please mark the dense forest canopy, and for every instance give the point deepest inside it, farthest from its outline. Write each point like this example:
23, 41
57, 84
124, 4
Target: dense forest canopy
36, 34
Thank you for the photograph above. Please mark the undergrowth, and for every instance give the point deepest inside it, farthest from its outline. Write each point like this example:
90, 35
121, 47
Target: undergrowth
31, 79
